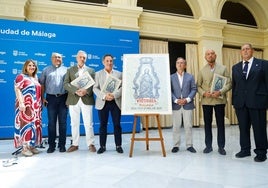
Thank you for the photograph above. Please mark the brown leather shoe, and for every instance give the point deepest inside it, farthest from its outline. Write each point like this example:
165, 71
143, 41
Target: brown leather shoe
92, 148
72, 148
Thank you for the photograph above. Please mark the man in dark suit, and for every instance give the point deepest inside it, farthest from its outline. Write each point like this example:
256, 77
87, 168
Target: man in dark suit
183, 89
250, 100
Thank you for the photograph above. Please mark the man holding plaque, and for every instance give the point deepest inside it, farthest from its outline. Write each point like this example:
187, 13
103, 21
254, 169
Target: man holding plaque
108, 91
80, 99
213, 82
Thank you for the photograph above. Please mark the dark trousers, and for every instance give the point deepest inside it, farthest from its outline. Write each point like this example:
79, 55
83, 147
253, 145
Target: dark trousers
219, 114
57, 110
257, 118
110, 107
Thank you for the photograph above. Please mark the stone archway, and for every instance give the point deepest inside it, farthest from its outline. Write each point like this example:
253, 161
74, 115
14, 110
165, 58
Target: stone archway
256, 9
196, 9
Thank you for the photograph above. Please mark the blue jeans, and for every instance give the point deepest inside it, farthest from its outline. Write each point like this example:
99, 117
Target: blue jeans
57, 110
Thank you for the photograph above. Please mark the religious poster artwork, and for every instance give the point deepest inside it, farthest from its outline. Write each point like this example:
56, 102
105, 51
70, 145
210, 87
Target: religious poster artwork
111, 84
84, 81
218, 82
146, 84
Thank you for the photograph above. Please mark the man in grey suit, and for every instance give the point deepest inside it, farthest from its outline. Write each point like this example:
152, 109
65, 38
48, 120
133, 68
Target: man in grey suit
183, 89
80, 100
108, 101
213, 100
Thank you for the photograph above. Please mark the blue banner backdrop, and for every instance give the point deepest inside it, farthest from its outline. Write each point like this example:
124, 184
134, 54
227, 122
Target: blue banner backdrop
21, 40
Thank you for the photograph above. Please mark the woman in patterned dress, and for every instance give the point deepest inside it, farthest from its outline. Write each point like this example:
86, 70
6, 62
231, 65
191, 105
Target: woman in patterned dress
28, 126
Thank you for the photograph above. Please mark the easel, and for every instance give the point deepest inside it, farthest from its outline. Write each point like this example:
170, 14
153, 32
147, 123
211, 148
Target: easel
147, 139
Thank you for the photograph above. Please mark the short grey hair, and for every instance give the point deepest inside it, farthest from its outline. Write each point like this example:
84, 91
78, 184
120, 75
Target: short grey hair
55, 54
185, 62
82, 52
247, 44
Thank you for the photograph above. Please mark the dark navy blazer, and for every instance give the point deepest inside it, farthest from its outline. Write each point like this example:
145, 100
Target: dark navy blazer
253, 91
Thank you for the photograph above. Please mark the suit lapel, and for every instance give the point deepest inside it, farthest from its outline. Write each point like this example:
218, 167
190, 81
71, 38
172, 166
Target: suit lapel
240, 68
254, 66
103, 77
183, 80
75, 70
178, 81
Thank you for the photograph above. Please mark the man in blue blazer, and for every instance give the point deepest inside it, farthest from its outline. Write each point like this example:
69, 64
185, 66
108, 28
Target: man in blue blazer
183, 89
250, 100
108, 101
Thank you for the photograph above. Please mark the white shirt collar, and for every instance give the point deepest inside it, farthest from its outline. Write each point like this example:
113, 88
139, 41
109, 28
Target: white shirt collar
108, 72
249, 61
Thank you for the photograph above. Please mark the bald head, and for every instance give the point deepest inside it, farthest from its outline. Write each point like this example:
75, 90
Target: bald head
210, 56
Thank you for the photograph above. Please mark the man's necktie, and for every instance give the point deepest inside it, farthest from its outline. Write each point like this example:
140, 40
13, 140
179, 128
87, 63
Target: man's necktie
245, 69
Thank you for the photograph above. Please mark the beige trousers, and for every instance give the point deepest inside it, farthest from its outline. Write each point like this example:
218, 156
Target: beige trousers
178, 117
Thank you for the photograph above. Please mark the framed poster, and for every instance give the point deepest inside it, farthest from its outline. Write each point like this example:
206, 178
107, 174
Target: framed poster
84, 81
146, 84
218, 83
111, 84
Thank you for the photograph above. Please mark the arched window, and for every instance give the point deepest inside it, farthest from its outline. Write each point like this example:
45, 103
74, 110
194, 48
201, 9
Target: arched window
167, 6
237, 14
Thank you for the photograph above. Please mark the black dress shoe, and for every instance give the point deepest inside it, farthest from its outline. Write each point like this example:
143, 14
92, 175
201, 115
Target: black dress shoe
222, 151
242, 154
119, 149
62, 149
50, 150
175, 149
207, 150
101, 150
260, 158
191, 149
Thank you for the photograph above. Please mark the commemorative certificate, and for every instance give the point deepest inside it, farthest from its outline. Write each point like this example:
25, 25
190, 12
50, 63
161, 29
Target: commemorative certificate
84, 81
111, 84
218, 82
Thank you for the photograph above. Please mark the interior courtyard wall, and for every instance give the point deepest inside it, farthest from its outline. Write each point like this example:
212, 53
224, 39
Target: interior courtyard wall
124, 14
205, 27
